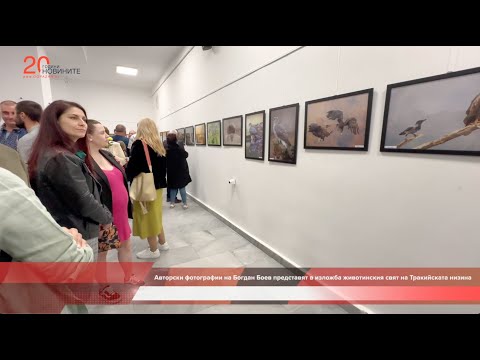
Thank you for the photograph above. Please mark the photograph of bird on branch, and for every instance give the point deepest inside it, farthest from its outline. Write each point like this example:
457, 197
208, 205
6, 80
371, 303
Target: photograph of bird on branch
189, 138
254, 135
438, 114
283, 131
232, 131
200, 134
340, 122
181, 135
213, 133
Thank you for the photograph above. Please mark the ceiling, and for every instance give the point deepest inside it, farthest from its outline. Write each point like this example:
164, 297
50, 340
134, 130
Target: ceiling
98, 63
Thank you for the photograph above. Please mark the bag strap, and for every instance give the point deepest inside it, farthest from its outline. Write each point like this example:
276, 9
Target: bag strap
147, 155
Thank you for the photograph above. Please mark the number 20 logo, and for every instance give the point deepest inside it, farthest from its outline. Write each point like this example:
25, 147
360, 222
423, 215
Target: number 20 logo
26, 71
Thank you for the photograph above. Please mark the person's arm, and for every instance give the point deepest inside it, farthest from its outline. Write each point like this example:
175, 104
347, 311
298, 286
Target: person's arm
137, 162
130, 142
22, 149
10, 160
68, 179
28, 232
117, 151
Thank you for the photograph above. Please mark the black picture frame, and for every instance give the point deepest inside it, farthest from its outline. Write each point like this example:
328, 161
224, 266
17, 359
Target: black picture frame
282, 130
235, 124
255, 154
181, 135
189, 136
200, 134
340, 122
210, 126
433, 115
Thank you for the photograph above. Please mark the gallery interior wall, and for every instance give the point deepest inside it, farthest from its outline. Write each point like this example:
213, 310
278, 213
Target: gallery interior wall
13, 86
333, 208
109, 104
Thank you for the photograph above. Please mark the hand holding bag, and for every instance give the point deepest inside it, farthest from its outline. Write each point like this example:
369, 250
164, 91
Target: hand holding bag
143, 185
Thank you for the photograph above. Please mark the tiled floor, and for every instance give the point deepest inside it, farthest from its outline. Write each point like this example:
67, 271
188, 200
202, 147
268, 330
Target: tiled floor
199, 239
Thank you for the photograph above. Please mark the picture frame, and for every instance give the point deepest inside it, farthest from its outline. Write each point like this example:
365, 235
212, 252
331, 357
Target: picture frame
283, 134
214, 133
255, 135
189, 136
340, 122
200, 134
434, 115
233, 131
181, 135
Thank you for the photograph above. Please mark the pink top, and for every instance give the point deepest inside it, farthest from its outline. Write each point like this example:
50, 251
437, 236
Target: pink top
119, 203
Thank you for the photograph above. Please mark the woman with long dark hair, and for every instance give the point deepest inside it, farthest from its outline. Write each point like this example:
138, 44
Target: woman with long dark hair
61, 171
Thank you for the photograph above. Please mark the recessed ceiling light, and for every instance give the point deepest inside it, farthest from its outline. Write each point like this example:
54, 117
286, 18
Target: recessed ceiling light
127, 71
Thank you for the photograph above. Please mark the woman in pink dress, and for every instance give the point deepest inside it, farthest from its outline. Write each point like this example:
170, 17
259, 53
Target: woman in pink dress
115, 197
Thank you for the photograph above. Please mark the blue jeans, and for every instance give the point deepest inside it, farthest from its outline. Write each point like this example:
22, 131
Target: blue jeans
183, 194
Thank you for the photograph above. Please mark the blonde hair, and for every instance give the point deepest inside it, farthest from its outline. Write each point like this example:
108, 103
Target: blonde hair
148, 132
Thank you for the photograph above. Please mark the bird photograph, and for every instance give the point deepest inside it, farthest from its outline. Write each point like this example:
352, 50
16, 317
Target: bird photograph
412, 130
350, 123
254, 137
473, 111
200, 134
232, 131
441, 114
283, 123
213, 133
189, 138
338, 122
319, 131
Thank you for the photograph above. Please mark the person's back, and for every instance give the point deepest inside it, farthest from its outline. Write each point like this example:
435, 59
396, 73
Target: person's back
177, 167
147, 215
28, 231
10, 160
121, 135
178, 176
30, 234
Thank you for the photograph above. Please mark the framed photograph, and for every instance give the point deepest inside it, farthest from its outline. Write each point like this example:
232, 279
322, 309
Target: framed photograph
232, 131
340, 122
181, 135
200, 134
434, 115
189, 138
282, 134
254, 135
214, 136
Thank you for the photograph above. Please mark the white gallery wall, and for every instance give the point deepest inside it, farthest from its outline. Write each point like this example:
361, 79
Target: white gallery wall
13, 85
109, 104
333, 208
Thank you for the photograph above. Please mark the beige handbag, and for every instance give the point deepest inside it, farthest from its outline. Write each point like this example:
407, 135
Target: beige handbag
143, 185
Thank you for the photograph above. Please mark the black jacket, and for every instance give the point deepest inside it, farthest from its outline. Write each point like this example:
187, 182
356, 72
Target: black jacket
178, 175
69, 191
106, 195
138, 164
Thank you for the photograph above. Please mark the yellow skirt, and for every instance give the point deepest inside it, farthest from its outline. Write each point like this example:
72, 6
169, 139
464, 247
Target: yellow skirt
150, 224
